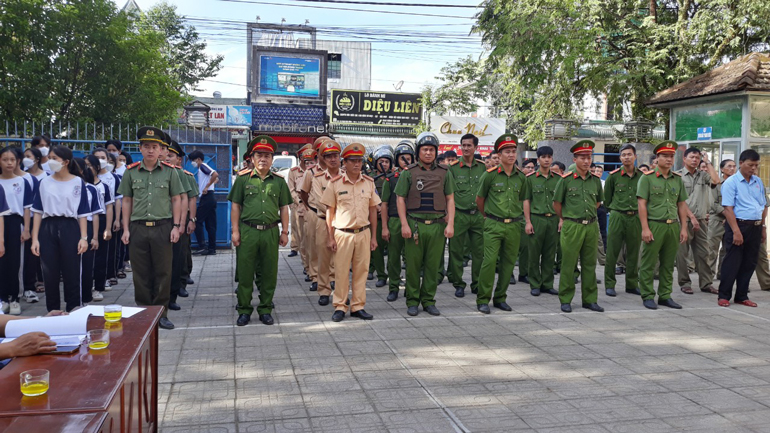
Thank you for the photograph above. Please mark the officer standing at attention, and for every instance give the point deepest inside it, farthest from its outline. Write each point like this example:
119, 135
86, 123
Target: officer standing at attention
351, 202
661, 194
469, 223
383, 164
260, 201
698, 185
542, 224
528, 167
152, 221
311, 215
576, 199
391, 224
425, 193
717, 224
182, 248
500, 198
296, 173
624, 227
307, 157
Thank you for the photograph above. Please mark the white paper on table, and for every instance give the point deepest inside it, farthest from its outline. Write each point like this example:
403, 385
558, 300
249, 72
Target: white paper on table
60, 340
53, 326
98, 311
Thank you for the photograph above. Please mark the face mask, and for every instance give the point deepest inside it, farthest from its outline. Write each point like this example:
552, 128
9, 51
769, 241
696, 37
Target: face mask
109, 168
27, 163
103, 163
44, 151
55, 166
115, 154
194, 164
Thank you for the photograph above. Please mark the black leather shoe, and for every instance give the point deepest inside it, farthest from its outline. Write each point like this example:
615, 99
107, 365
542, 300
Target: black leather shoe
314, 287
465, 263
593, 307
610, 292
174, 306
484, 308
567, 308
266, 319
649, 303
550, 291
199, 252
392, 296
556, 271
293, 253
323, 301
474, 291
634, 292
412, 311
441, 278
620, 270
534, 292
338, 316
459, 292
503, 306
512, 281
524, 279
243, 320
308, 279
183, 292
370, 276
347, 301
332, 284
209, 253
381, 283
189, 281
361, 314
165, 323
669, 303
432, 310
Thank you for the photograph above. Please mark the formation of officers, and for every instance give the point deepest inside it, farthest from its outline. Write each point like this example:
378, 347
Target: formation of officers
344, 221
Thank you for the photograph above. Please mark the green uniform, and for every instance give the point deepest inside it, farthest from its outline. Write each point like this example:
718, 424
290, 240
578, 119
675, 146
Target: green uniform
180, 248
469, 224
624, 227
425, 248
503, 196
261, 201
377, 261
396, 244
151, 191
579, 197
663, 195
545, 222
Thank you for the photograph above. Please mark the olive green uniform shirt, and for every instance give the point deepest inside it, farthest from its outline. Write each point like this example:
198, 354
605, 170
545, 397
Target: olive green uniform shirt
698, 188
467, 179
503, 194
151, 190
620, 190
261, 199
405, 183
579, 195
662, 194
540, 192
192, 184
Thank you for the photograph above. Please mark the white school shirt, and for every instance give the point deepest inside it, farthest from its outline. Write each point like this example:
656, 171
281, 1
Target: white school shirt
18, 194
113, 183
62, 198
46, 168
42, 175
204, 176
93, 201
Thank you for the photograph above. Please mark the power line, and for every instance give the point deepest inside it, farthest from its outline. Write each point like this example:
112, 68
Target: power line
421, 5
347, 9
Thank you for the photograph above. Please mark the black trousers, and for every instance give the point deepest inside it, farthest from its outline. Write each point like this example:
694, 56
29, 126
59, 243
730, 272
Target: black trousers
740, 261
177, 263
601, 215
100, 257
207, 216
32, 271
10, 263
112, 255
59, 256
122, 250
87, 274
187, 266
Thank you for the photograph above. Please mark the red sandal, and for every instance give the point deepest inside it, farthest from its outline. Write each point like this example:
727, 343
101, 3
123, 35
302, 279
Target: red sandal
747, 303
723, 303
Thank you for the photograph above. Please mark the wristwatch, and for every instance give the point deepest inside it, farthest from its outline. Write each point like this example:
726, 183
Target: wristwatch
84, 238
195, 220
177, 225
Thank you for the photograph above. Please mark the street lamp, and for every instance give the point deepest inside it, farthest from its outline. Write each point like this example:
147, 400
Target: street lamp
197, 114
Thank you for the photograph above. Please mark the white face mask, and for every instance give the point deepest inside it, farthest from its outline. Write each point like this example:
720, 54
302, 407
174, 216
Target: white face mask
103, 163
27, 162
194, 164
115, 154
55, 166
44, 151
109, 168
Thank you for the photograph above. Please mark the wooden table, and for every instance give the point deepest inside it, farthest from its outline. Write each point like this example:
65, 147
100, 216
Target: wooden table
111, 390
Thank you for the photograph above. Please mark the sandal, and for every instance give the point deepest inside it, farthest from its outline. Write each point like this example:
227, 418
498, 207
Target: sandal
687, 290
113, 281
747, 303
723, 303
39, 287
121, 274
710, 289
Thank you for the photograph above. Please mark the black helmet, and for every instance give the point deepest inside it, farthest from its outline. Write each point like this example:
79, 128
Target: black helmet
426, 139
383, 151
403, 148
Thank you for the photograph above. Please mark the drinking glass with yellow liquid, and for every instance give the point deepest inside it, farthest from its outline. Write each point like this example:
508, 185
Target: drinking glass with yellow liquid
113, 313
34, 382
98, 339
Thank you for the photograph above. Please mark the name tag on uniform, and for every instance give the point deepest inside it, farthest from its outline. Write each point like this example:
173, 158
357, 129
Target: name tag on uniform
499, 184
342, 193
461, 176
573, 188
250, 186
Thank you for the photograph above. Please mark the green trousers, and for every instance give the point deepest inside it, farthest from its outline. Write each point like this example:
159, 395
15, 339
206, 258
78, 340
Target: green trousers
377, 260
469, 230
578, 241
425, 253
542, 251
258, 259
395, 253
500, 241
623, 230
663, 248
151, 260
523, 252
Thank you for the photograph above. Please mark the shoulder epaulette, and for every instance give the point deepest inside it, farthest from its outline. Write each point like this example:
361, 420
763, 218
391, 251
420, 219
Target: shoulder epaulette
615, 171
320, 173
649, 172
367, 177
479, 161
597, 175
490, 170
295, 168
454, 162
167, 164
178, 167
187, 172
136, 164
240, 173
530, 174
564, 175
677, 173
339, 176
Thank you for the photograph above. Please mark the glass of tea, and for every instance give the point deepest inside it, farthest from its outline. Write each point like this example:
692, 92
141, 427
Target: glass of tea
113, 313
34, 382
98, 339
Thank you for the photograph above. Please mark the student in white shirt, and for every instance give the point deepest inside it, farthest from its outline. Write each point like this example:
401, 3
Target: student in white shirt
60, 231
124, 264
26, 289
43, 144
105, 224
113, 182
33, 274
207, 204
87, 271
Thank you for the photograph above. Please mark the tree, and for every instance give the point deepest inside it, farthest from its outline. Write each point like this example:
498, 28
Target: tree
552, 53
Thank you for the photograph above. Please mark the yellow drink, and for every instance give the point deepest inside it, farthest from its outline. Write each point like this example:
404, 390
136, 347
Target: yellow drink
98, 345
32, 389
113, 316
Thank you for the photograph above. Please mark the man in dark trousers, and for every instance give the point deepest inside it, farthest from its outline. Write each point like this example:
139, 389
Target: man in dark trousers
207, 204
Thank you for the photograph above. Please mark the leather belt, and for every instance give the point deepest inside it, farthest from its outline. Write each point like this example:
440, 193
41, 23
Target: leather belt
504, 220
670, 221
356, 231
627, 212
156, 223
752, 222
547, 215
321, 215
585, 222
312, 208
261, 227
427, 222
469, 212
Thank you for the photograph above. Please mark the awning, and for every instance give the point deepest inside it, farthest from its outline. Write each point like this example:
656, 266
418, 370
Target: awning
370, 142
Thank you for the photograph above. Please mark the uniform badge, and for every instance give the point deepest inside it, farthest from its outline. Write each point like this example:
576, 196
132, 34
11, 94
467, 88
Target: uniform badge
420, 185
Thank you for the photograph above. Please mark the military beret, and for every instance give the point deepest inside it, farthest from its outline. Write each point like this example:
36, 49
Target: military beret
504, 141
583, 147
262, 143
667, 146
330, 146
353, 149
176, 148
150, 133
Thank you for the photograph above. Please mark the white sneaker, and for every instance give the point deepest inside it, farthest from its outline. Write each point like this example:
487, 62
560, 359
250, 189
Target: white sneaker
30, 297
15, 309
107, 286
97, 295
5, 307
127, 267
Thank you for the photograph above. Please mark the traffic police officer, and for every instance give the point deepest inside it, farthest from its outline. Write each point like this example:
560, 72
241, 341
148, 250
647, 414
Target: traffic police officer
383, 164
576, 199
500, 198
311, 216
625, 227
425, 193
469, 223
351, 220
661, 195
391, 224
152, 217
260, 201
307, 157
296, 173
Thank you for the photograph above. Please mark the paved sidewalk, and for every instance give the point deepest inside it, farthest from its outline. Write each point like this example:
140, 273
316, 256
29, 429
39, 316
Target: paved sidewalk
703, 368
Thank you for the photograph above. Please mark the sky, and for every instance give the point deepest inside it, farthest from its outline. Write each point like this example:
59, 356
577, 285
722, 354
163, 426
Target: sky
416, 59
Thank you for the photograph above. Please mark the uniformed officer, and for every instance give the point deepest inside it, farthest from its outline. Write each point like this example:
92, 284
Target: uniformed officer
698, 185
426, 209
295, 174
351, 202
527, 167
661, 195
576, 199
624, 229
260, 201
716, 222
391, 224
311, 216
542, 224
383, 164
469, 223
308, 159
500, 198
152, 217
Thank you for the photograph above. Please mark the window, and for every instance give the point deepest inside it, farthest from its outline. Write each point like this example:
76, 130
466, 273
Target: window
334, 66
